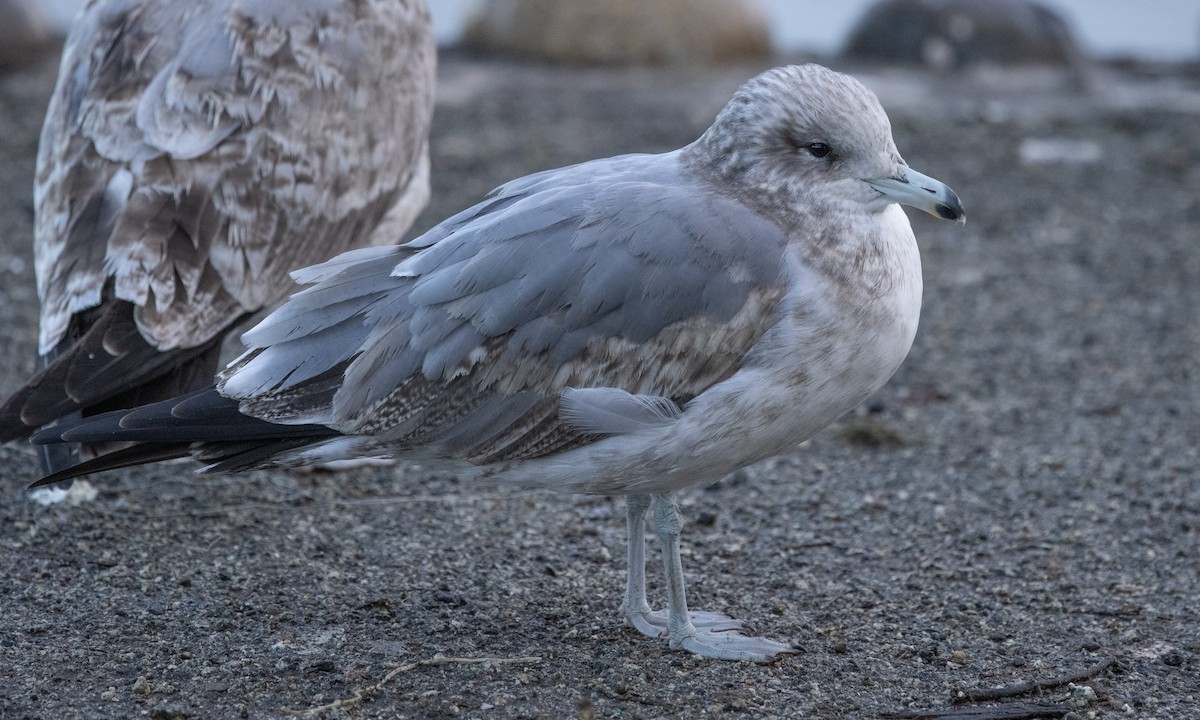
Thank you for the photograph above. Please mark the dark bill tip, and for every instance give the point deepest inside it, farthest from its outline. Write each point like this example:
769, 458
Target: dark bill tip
912, 188
949, 207
946, 212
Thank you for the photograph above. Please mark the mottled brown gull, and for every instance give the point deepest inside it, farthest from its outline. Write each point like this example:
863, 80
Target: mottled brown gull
631, 325
193, 154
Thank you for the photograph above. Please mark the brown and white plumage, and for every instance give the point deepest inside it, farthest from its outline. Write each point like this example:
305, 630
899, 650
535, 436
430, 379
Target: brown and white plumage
193, 154
628, 325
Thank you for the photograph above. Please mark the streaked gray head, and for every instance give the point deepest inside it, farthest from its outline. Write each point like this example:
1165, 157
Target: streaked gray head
817, 136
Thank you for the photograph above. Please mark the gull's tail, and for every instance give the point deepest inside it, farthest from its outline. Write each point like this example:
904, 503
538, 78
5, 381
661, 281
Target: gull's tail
203, 424
106, 366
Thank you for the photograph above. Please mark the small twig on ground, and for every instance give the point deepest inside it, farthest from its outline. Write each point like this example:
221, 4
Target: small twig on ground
987, 694
1106, 612
439, 659
631, 697
1002, 712
813, 544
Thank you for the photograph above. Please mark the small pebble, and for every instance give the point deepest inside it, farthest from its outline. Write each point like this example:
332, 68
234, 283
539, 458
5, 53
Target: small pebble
1081, 695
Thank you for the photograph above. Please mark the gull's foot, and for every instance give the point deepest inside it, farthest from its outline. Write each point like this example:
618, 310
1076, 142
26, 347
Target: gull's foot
732, 645
653, 623
711, 634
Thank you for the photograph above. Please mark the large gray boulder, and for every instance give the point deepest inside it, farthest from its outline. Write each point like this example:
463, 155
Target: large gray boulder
618, 32
951, 34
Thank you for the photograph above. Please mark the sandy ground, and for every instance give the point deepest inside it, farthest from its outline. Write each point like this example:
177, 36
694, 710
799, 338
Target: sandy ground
1020, 503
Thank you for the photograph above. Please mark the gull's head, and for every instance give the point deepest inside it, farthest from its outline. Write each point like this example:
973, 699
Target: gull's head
809, 134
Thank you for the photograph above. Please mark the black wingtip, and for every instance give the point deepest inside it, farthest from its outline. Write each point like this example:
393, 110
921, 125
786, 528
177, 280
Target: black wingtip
12, 427
139, 454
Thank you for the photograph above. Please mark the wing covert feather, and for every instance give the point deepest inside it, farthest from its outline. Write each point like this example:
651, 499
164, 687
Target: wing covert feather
626, 273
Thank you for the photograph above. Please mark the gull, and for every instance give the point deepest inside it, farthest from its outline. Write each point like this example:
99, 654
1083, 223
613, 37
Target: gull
632, 325
193, 154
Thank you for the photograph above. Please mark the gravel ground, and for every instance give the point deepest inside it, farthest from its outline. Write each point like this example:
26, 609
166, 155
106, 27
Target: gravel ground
1020, 503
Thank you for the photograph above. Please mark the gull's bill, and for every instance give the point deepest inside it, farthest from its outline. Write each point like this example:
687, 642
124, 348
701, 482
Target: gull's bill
917, 190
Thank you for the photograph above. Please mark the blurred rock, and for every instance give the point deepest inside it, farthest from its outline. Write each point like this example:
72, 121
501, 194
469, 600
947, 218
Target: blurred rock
1059, 151
622, 32
951, 34
25, 34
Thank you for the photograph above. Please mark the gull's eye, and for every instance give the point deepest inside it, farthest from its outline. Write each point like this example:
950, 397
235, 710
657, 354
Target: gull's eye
818, 149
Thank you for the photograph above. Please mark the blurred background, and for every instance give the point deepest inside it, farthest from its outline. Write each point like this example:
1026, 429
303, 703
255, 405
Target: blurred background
1150, 29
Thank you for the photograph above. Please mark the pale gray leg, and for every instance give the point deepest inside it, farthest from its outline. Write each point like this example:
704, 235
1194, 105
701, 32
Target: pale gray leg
635, 608
637, 612
712, 635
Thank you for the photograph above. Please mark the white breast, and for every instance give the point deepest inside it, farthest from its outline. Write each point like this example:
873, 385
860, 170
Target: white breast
836, 343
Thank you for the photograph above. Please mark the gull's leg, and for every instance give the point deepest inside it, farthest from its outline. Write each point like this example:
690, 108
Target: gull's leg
709, 634
635, 608
637, 612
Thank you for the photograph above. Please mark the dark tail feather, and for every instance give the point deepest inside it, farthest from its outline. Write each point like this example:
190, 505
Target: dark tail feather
13, 425
203, 423
202, 416
56, 457
106, 365
191, 375
139, 454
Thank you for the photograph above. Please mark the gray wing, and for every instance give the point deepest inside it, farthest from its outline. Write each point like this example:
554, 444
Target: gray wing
624, 273
196, 152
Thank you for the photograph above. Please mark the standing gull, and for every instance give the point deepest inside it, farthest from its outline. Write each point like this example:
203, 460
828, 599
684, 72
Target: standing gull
632, 325
193, 154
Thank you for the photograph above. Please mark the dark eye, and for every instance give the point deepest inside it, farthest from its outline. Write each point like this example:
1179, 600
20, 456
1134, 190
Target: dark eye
818, 149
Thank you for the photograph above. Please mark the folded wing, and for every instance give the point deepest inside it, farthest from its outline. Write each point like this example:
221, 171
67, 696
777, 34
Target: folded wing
627, 274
